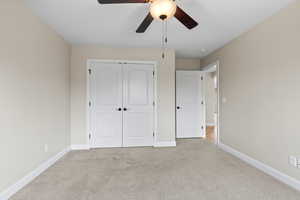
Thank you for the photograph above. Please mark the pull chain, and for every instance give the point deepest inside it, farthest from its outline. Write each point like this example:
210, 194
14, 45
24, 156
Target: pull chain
164, 38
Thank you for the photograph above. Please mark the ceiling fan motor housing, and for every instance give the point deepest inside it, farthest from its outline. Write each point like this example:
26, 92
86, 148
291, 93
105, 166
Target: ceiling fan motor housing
163, 9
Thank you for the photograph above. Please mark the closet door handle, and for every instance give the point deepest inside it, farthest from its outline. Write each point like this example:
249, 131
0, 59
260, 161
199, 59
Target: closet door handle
178, 107
125, 109
119, 109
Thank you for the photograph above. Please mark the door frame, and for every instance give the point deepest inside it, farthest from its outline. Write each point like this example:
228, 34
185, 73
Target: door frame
88, 108
208, 68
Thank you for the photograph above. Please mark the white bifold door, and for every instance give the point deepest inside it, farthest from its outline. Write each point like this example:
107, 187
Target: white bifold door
190, 104
122, 105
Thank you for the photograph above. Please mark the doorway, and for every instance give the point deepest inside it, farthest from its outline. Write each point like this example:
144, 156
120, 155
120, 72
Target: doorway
212, 94
121, 104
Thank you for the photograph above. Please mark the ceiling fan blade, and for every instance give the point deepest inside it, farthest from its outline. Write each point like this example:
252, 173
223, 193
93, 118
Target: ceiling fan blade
185, 19
121, 1
144, 25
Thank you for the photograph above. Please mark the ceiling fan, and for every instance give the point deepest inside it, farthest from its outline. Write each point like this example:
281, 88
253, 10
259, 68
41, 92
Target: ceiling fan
159, 9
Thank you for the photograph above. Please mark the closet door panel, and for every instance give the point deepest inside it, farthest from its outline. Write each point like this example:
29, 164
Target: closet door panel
138, 118
106, 88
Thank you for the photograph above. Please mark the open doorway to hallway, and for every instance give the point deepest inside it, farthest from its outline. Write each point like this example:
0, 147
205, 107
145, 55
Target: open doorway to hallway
211, 102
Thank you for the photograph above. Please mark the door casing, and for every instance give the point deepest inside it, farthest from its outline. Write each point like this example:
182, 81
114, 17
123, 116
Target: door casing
90, 63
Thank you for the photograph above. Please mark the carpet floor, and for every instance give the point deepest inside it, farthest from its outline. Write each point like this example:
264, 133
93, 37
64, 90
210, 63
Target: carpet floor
194, 170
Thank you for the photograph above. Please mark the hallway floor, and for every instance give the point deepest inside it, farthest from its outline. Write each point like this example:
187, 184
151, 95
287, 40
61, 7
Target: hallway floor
194, 170
210, 133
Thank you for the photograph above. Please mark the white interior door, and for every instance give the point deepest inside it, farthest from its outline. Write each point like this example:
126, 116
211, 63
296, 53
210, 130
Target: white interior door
106, 93
190, 104
138, 99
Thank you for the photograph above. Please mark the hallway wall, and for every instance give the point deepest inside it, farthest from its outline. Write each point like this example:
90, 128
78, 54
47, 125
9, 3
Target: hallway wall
187, 64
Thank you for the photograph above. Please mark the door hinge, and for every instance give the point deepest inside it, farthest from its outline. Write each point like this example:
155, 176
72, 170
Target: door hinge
90, 71
90, 136
153, 134
202, 103
90, 104
202, 127
201, 78
153, 73
153, 103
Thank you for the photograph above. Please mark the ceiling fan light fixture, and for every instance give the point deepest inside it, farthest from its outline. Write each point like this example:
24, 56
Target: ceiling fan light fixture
163, 9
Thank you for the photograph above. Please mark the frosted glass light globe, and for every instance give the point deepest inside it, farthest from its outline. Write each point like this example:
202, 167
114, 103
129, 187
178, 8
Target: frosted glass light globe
162, 9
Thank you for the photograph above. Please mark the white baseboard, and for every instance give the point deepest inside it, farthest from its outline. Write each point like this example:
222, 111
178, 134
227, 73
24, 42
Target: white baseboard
165, 144
80, 147
6, 194
294, 183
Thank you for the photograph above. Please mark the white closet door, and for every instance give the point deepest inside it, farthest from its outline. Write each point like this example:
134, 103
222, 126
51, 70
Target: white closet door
190, 104
106, 98
138, 105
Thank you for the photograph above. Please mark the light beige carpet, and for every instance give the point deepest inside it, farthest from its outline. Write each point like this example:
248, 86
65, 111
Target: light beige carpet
194, 170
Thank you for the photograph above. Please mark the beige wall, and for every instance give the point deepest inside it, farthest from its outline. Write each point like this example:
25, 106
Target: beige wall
187, 64
260, 78
34, 92
165, 87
